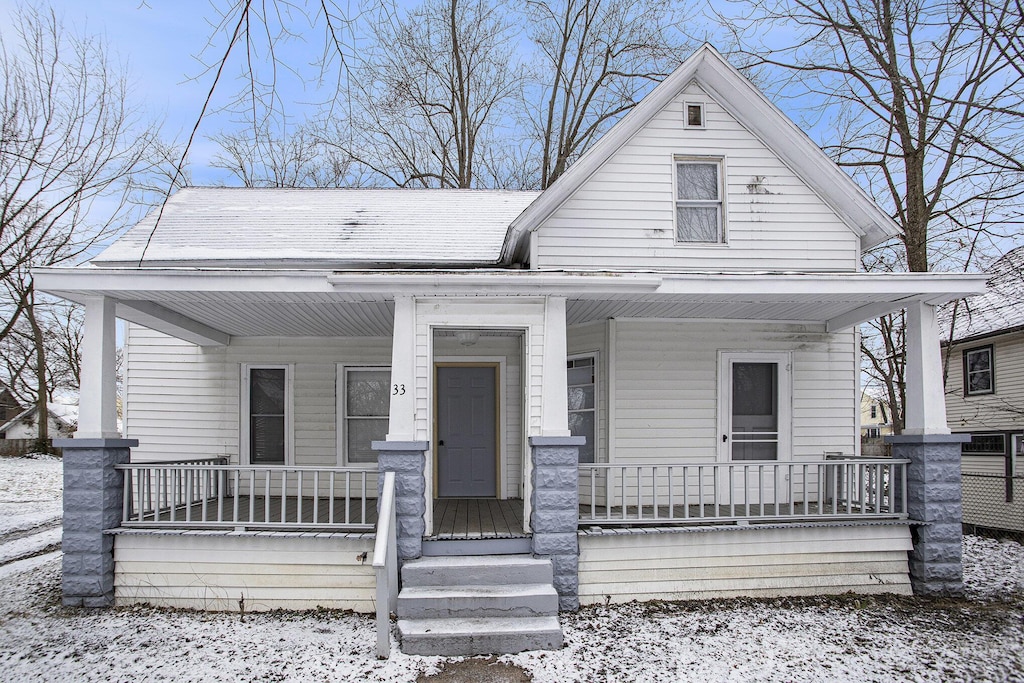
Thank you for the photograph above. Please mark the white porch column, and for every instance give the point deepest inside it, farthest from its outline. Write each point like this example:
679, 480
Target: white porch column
402, 417
925, 394
97, 410
554, 398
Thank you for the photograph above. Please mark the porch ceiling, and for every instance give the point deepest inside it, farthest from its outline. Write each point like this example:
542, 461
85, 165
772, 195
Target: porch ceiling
209, 307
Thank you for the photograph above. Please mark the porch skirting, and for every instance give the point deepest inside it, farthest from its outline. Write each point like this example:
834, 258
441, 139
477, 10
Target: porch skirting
697, 563
214, 570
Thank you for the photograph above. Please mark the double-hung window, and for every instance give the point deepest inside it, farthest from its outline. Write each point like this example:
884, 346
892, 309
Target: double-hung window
583, 403
266, 425
979, 371
365, 405
698, 196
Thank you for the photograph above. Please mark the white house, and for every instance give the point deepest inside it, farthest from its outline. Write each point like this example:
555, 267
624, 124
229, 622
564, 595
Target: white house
639, 384
985, 396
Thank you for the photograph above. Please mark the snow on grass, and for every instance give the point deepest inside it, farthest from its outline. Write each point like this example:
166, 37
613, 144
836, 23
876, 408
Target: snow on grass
30, 492
993, 570
30, 545
846, 638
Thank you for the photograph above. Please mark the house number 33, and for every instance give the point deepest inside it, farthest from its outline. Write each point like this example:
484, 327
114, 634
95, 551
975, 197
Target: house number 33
398, 390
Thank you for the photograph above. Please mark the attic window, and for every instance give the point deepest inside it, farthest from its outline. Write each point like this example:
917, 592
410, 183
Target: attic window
694, 114
699, 201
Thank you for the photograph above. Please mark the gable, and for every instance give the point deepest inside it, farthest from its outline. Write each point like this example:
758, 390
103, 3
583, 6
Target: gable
623, 215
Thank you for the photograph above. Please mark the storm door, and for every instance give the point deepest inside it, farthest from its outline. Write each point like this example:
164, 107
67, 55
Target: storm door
466, 431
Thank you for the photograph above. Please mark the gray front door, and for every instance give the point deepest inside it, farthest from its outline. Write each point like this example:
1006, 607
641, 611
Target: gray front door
466, 443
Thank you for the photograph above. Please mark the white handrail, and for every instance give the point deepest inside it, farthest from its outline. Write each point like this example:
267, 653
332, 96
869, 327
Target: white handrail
385, 565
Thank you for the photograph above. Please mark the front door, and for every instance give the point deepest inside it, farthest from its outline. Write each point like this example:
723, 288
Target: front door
466, 432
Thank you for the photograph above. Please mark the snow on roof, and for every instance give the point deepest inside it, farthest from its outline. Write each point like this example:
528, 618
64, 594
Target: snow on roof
246, 227
999, 309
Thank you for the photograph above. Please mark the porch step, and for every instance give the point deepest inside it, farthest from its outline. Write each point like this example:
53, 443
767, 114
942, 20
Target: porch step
516, 600
476, 570
479, 635
477, 546
469, 605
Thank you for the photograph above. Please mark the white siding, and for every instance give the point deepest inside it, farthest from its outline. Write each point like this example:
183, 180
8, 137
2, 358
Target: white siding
698, 565
205, 571
990, 412
666, 379
622, 217
182, 401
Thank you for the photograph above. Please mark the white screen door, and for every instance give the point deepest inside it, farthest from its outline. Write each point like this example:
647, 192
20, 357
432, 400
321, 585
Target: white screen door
754, 422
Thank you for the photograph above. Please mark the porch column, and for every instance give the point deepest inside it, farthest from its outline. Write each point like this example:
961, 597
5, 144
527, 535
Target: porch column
406, 459
402, 414
555, 400
554, 499
933, 475
97, 406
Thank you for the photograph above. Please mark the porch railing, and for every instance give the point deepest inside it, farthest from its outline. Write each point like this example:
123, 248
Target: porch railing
205, 494
738, 492
385, 565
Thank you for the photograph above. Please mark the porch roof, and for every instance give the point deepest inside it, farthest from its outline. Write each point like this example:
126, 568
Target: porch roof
209, 306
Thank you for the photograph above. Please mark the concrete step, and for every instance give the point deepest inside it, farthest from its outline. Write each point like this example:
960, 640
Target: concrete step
479, 635
476, 570
511, 600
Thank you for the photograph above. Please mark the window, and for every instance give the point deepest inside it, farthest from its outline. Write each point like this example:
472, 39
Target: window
364, 414
984, 444
874, 412
979, 371
583, 403
698, 201
266, 425
694, 114
873, 433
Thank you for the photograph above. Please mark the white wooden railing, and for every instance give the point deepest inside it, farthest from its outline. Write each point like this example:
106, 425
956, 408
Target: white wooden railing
204, 494
737, 492
385, 565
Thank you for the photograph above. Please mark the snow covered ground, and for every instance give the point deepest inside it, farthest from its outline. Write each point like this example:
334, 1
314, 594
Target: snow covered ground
848, 638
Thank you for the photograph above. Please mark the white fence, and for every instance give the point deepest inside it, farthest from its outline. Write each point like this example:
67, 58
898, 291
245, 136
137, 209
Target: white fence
210, 494
738, 491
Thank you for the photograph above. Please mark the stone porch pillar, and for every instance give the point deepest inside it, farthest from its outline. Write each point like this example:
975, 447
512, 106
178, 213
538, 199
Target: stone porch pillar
407, 460
555, 503
933, 476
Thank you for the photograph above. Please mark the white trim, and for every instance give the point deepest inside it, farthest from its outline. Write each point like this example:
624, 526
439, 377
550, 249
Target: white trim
596, 355
289, 410
718, 162
703, 115
612, 341
341, 414
784, 359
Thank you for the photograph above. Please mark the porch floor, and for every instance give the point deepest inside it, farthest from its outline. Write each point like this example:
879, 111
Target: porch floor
471, 518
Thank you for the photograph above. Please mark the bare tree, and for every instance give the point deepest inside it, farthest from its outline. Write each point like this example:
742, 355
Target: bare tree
71, 142
276, 156
920, 100
431, 95
596, 59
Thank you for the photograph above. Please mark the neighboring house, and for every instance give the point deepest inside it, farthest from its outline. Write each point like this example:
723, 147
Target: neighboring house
985, 396
622, 388
63, 420
875, 422
9, 406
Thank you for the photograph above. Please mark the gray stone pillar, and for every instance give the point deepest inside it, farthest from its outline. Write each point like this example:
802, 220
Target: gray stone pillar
93, 498
933, 498
555, 512
407, 459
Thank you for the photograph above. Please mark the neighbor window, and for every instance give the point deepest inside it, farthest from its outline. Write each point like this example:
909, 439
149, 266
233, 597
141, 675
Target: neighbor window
979, 371
267, 402
583, 403
367, 402
985, 444
698, 201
